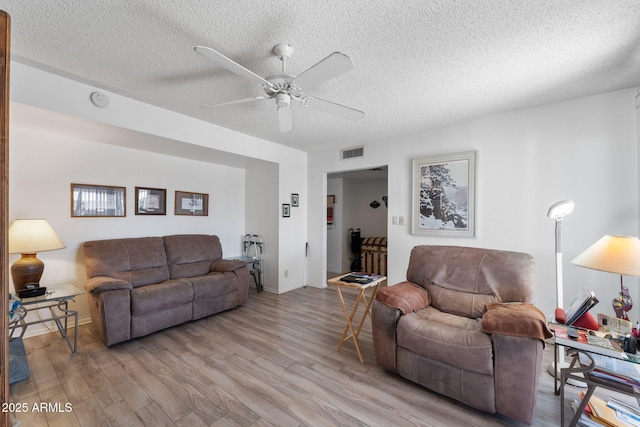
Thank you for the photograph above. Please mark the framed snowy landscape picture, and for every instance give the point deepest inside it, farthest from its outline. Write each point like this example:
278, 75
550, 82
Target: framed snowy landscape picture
443, 195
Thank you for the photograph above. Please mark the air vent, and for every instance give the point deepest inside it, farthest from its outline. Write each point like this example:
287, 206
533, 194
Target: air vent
350, 153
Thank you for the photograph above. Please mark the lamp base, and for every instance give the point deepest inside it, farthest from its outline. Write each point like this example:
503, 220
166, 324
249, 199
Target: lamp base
623, 303
28, 269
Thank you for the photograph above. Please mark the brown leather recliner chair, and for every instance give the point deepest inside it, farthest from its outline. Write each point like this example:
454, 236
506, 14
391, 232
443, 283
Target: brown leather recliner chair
430, 329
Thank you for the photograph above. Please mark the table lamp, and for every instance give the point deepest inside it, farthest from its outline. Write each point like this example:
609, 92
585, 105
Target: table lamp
614, 254
28, 237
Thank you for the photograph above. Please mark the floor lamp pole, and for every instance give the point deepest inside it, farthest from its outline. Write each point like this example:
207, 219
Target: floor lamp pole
559, 284
557, 212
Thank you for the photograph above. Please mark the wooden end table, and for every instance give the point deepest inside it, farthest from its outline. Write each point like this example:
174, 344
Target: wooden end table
374, 284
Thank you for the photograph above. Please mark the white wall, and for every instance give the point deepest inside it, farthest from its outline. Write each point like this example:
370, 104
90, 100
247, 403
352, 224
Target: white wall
373, 222
262, 217
292, 230
584, 149
39, 187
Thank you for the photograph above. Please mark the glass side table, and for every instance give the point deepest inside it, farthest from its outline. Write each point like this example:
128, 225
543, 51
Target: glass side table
57, 301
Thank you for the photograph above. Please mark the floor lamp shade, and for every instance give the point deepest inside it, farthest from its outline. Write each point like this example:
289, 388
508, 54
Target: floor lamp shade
28, 237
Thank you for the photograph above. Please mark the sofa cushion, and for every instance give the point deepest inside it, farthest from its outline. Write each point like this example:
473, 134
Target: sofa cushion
191, 255
139, 261
455, 340
213, 285
160, 296
463, 280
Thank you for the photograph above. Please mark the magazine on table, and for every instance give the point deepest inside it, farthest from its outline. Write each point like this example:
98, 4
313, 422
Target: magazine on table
360, 278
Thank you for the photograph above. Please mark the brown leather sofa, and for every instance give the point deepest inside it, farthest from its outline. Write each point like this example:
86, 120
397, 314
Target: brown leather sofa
432, 329
137, 286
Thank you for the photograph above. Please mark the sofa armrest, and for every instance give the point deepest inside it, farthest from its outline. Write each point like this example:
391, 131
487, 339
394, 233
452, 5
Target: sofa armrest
405, 296
225, 265
105, 283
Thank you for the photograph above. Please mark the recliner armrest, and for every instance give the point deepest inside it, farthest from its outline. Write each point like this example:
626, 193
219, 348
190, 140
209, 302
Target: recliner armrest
225, 265
384, 320
515, 319
405, 296
105, 283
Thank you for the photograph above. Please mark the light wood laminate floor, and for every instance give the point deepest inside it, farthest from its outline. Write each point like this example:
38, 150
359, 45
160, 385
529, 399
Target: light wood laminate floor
271, 362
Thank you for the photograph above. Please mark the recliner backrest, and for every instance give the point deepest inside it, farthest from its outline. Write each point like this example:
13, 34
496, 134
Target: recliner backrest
139, 261
463, 280
191, 255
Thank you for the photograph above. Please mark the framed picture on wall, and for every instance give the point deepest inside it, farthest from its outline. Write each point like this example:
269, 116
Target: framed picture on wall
151, 201
443, 202
194, 204
98, 201
286, 210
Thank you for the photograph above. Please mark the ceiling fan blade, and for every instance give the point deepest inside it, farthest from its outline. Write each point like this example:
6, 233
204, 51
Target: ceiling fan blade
285, 119
330, 67
232, 66
333, 108
237, 101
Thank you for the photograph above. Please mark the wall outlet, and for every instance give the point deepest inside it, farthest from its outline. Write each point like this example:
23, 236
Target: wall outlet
400, 220
394, 220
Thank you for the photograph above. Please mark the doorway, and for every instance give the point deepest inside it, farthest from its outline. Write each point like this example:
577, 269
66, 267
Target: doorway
359, 202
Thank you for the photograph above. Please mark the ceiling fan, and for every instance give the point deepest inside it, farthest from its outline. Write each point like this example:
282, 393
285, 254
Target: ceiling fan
285, 87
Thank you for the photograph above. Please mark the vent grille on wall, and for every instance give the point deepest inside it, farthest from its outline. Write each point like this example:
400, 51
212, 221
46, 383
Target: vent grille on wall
350, 153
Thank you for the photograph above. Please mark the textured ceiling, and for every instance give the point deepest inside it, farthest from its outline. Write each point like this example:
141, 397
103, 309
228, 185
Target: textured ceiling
417, 63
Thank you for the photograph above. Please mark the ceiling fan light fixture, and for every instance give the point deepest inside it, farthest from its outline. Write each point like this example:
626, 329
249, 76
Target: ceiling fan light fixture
283, 100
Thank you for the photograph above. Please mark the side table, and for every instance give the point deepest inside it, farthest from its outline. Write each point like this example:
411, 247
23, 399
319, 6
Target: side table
583, 374
57, 297
373, 284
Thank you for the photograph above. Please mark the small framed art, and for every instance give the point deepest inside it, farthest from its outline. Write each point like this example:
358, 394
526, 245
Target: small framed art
295, 200
193, 204
151, 201
286, 210
98, 201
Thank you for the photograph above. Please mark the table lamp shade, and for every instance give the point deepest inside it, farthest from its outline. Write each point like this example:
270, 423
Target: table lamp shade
615, 254
28, 237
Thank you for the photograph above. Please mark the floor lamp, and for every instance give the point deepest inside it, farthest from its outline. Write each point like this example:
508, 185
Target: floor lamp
557, 212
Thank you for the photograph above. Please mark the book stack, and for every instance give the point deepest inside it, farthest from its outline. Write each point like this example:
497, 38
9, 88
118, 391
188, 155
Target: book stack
621, 371
613, 412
